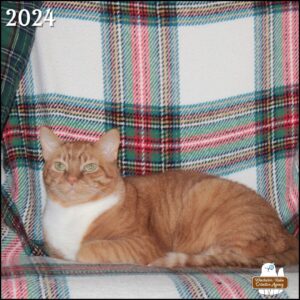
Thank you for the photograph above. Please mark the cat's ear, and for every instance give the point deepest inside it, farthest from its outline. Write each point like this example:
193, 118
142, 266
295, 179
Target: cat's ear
108, 145
49, 141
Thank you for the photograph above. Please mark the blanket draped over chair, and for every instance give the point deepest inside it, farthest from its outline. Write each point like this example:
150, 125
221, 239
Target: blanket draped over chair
211, 86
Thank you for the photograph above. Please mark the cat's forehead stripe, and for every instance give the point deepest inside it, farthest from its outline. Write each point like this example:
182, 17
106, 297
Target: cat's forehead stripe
76, 151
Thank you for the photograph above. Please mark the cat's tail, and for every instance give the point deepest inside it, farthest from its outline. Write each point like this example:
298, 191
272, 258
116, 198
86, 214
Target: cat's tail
231, 259
217, 257
289, 256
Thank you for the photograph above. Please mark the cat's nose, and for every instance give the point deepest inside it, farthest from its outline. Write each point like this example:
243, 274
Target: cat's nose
72, 179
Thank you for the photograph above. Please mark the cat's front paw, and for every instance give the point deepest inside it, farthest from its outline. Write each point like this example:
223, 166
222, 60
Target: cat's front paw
85, 256
82, 259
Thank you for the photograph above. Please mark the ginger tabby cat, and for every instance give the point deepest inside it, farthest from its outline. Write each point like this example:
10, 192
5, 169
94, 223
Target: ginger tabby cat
173, 219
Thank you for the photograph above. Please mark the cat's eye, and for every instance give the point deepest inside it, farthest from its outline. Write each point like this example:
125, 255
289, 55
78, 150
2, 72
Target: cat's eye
59, 166
90, 167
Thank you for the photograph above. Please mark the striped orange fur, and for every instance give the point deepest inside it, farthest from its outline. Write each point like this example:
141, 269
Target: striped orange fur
172, 219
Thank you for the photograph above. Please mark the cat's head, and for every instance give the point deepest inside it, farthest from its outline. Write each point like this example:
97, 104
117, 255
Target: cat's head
78, 172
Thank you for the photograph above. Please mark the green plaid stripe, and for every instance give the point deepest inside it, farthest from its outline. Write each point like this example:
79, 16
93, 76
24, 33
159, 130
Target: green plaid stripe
168, 13
277, 114
16, 43
123, 101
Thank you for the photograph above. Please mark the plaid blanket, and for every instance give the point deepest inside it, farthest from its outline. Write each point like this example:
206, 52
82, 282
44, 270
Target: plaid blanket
16, 43
209, 86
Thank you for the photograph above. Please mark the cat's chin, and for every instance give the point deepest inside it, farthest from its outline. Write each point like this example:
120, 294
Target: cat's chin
72, 191
75, 197
69, 196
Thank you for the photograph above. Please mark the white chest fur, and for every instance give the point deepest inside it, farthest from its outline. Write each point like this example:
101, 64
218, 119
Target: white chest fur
65, 227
